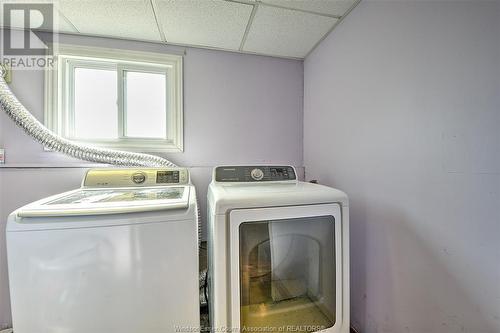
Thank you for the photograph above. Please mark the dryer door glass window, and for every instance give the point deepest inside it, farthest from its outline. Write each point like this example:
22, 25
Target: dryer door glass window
287, 274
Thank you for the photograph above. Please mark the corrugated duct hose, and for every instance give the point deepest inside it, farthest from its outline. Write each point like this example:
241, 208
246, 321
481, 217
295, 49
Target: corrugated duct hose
35, 129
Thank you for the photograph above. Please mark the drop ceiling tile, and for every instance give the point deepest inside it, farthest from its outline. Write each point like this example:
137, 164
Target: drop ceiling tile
116, 18
212, 23
284, 32
329, 7
60, 25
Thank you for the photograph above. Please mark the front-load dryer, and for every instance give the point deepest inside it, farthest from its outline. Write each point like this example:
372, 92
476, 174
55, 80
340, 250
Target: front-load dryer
278, 252
119, 255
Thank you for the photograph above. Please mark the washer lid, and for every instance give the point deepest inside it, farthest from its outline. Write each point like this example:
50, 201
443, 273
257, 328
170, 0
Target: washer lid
109, 201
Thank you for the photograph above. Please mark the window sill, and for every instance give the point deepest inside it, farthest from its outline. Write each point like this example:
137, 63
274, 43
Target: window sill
143, 147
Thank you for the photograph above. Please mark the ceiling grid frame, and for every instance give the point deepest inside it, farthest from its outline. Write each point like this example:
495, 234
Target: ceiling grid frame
67, 20
158, 25
300, 10
249, 25
256, 4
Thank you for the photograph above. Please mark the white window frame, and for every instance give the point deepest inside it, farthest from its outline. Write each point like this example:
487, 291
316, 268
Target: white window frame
59, 86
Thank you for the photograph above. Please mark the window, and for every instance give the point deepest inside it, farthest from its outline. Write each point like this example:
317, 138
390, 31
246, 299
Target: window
116, 99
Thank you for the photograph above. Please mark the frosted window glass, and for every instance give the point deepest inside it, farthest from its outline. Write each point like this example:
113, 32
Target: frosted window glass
96, 111
146, 111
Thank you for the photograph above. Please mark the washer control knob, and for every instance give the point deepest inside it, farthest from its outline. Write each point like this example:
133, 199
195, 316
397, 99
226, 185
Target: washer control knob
138, 177
257, 174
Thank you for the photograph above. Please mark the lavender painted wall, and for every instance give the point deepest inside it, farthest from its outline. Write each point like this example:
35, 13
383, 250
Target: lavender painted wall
238, 109
402, 111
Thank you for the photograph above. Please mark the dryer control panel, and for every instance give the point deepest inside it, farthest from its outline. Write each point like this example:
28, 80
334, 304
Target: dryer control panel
141, 177
254, 173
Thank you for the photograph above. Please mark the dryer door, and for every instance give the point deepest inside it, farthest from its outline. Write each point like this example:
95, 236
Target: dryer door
286, 269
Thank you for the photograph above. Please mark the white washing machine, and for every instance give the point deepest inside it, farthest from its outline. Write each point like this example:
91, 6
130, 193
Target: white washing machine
120, 254
278, 252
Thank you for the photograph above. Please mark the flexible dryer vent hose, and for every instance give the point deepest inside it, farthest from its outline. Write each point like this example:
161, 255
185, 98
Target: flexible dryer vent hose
24, 119
35, 129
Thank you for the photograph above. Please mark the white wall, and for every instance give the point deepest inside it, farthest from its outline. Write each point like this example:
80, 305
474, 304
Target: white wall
238, 109
402, 111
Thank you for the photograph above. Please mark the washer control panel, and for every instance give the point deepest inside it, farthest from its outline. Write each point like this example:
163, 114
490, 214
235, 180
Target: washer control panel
145, 177
168, 176
255, 173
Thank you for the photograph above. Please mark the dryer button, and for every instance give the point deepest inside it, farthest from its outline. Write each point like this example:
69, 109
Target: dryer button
257, 174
